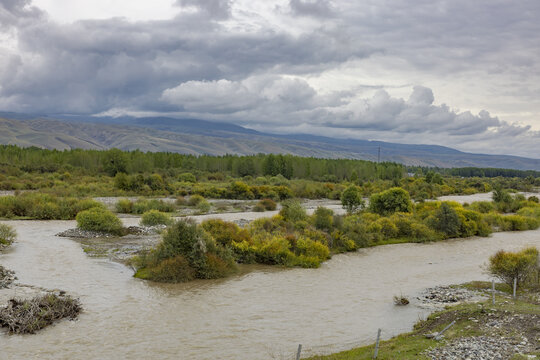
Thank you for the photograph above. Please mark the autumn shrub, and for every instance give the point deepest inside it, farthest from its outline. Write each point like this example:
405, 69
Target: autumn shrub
44, 206
186, 251
141, 206
518, 223
268, 204
507, 266
203, 206
194, 200
101, 220
155, 217
124, 206
173, 270
292, 210
483, 207
259, 208
225, 233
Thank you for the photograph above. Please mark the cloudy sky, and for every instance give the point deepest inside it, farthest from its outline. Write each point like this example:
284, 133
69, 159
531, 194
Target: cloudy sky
459, 73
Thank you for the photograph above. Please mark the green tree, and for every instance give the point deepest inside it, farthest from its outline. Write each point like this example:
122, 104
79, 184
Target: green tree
390, 201
115, 161
351, 199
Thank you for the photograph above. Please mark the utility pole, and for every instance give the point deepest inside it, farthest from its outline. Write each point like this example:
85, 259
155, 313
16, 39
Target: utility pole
379, 155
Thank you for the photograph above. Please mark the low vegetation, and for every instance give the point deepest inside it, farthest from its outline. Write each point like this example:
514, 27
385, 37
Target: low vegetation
7, 235
294, 238
43, 206
155, 217
100, 220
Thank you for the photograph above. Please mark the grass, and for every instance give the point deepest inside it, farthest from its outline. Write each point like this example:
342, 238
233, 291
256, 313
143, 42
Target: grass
468, 316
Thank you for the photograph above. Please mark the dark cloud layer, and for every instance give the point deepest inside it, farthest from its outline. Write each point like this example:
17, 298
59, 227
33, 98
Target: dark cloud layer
210, 62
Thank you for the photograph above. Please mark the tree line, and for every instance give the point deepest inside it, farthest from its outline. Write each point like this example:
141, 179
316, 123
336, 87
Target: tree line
113, 161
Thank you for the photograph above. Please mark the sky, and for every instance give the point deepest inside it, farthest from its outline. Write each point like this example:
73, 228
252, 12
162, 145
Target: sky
458, 73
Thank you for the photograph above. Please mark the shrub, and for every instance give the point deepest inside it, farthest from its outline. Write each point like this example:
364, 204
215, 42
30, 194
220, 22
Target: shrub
185, 252
155, 217
187, 177
194, 200
7, 235
203, 206
323, 218
483, 207
101, 220
533, 199
225, 233
351, 199
259, 208
292, 210
387, 228
508, 266
124, 206
141, 206
173, 270
268, 204
390, 201
310, 248
446, 220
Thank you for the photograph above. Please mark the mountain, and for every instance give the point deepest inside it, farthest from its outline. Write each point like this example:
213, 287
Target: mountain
192, 136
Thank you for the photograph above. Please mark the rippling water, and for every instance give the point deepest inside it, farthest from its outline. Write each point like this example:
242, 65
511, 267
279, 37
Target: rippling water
256, 315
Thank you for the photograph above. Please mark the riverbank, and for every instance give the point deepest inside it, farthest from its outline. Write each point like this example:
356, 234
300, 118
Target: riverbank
510, 329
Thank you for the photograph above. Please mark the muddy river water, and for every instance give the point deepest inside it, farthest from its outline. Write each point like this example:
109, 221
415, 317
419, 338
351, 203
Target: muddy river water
263, 313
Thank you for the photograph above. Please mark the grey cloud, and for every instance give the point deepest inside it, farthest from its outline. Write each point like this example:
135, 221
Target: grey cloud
215, 9
285, 102
207, 64
92, 66
316, 8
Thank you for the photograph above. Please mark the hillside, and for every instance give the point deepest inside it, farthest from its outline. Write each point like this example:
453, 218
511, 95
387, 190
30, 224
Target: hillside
203, 137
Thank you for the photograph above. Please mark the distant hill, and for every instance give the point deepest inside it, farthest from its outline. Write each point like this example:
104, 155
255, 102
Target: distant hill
191, 136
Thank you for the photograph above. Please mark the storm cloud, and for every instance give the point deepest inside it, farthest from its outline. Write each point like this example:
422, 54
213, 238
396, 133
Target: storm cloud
444, 72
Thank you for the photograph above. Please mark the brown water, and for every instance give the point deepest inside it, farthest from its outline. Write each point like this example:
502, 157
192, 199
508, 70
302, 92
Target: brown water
257, 315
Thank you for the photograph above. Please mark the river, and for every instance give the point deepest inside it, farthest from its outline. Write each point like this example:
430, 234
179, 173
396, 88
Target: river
263, 313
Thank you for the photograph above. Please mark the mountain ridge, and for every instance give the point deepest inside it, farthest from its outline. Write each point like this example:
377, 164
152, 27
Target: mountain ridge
193, 136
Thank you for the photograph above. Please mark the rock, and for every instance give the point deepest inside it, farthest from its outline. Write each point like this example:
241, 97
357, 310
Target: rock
478, 348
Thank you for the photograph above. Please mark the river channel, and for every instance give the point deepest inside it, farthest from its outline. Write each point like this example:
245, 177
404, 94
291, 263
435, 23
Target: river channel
263, 313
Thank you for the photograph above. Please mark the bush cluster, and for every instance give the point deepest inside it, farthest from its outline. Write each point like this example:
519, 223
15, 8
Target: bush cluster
186, 252
99, 219
44, 207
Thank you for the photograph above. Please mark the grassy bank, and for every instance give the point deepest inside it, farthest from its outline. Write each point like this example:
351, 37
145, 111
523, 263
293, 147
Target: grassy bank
514, 319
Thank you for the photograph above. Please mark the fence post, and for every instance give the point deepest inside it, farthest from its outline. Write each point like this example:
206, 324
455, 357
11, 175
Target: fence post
515, 287
377, 344
493, 291
438, 336
299, 352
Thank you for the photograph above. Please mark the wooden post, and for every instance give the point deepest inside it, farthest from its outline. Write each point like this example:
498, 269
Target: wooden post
299, 352
515, 287
377, 344
493, 291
